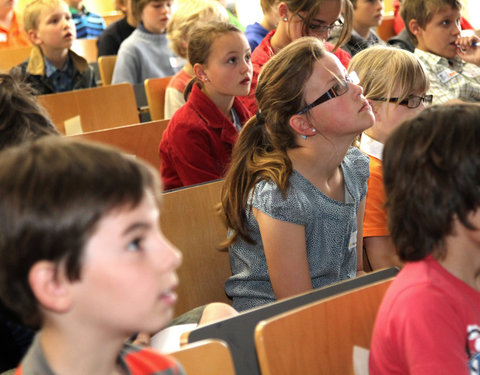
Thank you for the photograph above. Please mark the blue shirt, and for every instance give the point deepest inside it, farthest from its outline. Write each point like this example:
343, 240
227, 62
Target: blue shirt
88, 24
62, 79
255, 34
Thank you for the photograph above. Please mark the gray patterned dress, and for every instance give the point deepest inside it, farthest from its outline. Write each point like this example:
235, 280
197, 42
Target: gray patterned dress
330, 228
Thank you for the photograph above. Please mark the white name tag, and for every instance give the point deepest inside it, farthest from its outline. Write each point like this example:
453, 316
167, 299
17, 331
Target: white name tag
446, 75
352, 244
3, 37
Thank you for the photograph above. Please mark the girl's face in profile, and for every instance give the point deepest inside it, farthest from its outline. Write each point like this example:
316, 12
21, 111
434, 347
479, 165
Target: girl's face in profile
348, 113
327, 15
228, 71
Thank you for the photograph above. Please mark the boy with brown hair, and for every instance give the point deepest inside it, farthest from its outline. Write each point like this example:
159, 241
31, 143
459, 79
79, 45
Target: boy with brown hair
429, 320
85, 259
52, 65
452, 61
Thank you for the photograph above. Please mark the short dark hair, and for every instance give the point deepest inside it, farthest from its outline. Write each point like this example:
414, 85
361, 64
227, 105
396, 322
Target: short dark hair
431, 170
53, 193
21, 117
422, 11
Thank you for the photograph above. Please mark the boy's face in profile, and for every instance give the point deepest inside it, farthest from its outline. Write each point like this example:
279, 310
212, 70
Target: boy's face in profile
128, 274
440, 34
156, 15
56, 29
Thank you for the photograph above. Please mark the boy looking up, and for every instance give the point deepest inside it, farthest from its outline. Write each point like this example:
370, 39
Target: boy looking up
52, 66
452, 61
87, 262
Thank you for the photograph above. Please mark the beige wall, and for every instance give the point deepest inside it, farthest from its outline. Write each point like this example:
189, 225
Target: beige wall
98, 6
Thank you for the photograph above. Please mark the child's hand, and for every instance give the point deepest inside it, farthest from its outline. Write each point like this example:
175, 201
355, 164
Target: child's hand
468, 50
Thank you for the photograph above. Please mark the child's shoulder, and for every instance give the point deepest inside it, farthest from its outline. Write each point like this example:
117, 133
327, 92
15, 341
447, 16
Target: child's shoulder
145, 361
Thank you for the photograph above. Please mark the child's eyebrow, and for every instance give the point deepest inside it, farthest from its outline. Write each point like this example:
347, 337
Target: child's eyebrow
136, 226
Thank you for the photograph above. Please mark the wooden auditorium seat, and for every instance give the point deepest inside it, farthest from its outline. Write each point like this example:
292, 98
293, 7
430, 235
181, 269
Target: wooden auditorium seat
155, 89
141, 139
207, 357
318, 339
87, 48
10, 57
92, 109
106, 65
189, 220
238, 332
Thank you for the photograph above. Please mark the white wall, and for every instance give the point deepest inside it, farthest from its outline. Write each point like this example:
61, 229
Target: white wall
472, 12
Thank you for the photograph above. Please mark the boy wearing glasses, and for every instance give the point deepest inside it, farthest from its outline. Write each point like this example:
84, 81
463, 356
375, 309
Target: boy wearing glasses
452, 62
367, 14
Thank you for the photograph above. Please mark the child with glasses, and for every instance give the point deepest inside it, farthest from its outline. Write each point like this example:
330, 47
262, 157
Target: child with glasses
367, 14
429, 320
394, 82
294, 195
298, 18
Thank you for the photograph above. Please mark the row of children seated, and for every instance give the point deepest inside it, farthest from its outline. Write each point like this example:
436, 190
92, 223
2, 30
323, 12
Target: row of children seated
428, 159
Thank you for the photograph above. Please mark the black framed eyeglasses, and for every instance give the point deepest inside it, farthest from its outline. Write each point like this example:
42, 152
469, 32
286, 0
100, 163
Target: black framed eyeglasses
322, 29
338, 89
413, 101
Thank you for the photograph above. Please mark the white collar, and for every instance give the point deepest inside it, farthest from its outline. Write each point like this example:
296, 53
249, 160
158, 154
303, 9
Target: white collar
371, 146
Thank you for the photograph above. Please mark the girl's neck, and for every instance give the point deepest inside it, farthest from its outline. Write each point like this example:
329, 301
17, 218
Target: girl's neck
223, 102
320, 164
280, 39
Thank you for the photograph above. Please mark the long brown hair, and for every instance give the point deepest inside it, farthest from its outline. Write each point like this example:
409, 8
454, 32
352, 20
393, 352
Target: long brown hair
260, 152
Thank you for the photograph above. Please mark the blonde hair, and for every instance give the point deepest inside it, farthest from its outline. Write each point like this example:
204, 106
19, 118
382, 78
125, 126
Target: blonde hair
260, 152
32, 11
188, 17
383, 70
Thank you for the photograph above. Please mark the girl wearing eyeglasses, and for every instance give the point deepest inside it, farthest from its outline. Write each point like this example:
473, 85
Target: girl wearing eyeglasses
298, 18
294, 195
394, 83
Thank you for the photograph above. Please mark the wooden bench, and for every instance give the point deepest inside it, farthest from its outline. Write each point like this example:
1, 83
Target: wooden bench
141, 140
189, 220
318, 339
238, 332
94, 109
155, 89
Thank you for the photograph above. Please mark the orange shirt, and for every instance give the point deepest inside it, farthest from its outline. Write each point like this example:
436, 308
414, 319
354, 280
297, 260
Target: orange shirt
13, 37
375, 220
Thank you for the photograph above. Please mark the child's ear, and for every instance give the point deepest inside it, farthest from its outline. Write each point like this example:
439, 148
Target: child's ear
414, 27
33, 36
200, 73
50, 286
301, 126
283, 12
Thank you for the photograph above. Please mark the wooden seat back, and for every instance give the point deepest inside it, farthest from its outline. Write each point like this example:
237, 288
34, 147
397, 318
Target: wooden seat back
208, 357
87, 48
106, 65
95, 108
189, 220
238, 332
10, 57
141, 139
318, 339
155, 89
